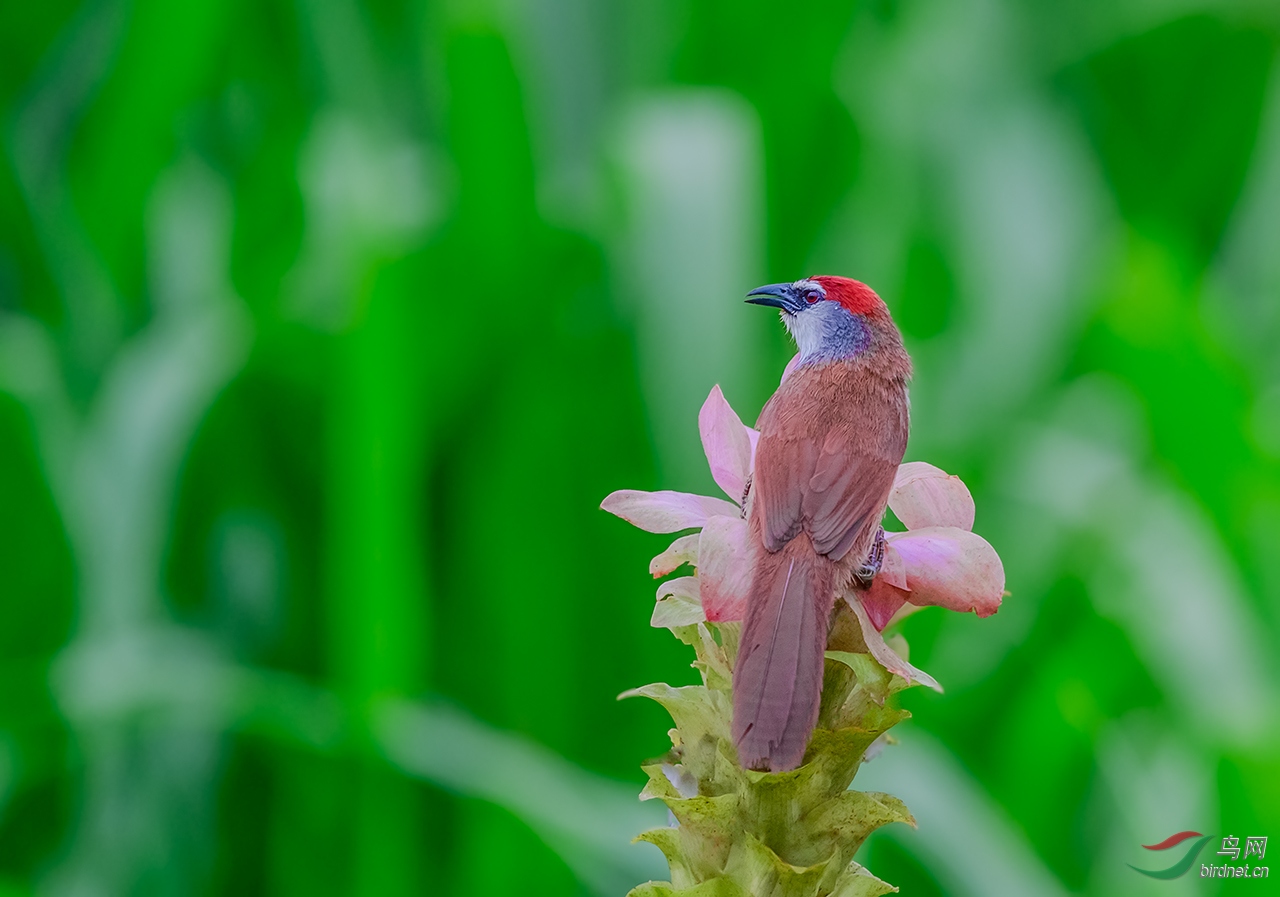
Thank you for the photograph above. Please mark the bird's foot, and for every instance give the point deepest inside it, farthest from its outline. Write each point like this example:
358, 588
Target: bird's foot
867, 572
746, 493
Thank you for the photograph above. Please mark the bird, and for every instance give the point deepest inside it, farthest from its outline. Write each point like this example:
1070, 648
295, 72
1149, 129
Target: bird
831, 439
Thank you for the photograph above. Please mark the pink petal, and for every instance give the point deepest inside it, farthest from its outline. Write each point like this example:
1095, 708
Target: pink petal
951, 567
882, 601
888, 658
791, 366
665, 512
682, 551
724, 568
923, 496
893, 569
726, 443
888, 591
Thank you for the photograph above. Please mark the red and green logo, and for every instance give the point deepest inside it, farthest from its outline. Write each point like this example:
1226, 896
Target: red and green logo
1187, 860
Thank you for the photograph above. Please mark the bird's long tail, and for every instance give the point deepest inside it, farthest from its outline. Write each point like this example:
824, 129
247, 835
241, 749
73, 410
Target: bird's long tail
777, 681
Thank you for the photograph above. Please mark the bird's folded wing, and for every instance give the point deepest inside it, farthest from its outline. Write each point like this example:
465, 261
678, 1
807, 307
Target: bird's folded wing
836, 493
782, 468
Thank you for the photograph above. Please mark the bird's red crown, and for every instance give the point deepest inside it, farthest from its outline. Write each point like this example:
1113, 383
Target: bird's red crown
854, 295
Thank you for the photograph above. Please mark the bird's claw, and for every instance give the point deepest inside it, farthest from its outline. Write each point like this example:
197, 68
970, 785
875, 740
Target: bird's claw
867, 572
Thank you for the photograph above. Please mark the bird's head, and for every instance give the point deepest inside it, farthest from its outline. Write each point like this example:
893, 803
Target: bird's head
829, 317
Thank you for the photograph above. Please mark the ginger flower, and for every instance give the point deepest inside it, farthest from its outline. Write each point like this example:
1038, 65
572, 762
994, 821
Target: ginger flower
938, 560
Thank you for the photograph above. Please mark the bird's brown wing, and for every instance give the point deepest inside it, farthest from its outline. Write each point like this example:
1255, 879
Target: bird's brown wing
836, 493
782, 467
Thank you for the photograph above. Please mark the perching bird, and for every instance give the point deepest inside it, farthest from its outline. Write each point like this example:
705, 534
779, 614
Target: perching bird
831, 440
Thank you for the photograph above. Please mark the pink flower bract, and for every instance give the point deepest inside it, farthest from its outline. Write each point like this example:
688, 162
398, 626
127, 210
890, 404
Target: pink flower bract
938, 561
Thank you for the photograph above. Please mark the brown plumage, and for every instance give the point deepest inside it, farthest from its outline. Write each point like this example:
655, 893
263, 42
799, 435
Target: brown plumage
831, 440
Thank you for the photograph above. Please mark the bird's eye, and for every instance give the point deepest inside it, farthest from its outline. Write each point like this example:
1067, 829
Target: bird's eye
812, 296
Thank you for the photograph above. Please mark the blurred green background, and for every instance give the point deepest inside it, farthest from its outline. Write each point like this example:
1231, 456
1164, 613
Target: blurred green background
325, 327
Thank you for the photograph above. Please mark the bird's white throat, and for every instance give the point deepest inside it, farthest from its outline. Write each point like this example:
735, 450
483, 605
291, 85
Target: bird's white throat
827, 331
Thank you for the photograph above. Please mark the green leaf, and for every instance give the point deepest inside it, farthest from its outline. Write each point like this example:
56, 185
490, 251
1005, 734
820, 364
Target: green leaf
873, 678
701, 716
716, 887
729, 633
760, 872
727, 774
838, 827
832, 759
698, 847
696, 710
785, 834
708, 828
678, 604
845, 704
856, 881
660, 785
668, 840
716, 669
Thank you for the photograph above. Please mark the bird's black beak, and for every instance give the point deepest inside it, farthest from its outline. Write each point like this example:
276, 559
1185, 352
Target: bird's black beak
776, 295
